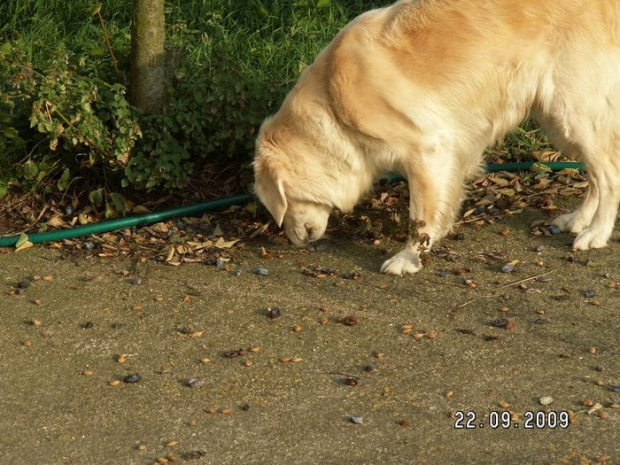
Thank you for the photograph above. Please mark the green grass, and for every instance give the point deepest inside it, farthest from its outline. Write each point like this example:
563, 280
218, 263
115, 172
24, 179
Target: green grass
274, 33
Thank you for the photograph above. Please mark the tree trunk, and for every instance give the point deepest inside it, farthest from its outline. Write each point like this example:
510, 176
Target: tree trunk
148, 79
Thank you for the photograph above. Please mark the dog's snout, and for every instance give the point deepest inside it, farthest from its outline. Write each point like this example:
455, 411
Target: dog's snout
307, 224
298, 241
297, 236
307, 233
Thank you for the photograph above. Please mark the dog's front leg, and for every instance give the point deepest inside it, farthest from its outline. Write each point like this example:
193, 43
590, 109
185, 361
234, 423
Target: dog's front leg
409, 260
435, 193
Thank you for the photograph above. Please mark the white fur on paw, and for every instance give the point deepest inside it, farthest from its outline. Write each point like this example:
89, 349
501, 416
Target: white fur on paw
403, 262
590, 238
570, 223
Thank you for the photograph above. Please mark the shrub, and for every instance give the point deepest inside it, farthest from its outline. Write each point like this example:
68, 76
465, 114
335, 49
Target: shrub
61, 120
64, 115
63, 112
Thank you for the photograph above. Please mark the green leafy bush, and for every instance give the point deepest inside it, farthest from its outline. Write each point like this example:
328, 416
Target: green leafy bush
65, 120
84, 115
76, 120
64, 115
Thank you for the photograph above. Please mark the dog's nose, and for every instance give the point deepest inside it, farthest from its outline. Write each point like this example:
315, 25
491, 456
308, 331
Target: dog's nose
297, 238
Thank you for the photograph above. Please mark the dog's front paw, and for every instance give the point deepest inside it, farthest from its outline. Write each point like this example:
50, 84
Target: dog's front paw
571, 222
590, 238
403, 262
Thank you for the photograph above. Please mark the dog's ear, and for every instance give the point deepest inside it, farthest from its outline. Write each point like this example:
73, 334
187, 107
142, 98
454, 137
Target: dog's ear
270, 188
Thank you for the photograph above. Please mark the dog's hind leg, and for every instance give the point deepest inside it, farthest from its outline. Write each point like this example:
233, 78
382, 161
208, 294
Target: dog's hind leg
599, 147
604, 175
436, 185
594, 220
581, 218
581, 113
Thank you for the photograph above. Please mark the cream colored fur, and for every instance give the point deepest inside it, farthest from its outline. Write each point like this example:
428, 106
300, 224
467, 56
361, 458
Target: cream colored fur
423, 87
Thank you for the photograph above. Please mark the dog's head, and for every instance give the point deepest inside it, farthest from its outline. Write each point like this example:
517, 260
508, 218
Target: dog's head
291, 192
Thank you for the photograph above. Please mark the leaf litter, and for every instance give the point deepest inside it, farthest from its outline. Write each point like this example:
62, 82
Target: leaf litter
213, 237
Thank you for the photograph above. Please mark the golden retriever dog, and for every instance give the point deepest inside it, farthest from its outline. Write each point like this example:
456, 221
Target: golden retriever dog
422, 87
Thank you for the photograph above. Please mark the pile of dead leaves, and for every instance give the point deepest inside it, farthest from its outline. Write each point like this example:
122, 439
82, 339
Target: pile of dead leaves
490, 198
214, 237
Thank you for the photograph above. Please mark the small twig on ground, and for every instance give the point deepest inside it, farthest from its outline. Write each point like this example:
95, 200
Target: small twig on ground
476, 298
521, 281
514, 283
470, 219
447, 283
260, 230
342, 374
36, 222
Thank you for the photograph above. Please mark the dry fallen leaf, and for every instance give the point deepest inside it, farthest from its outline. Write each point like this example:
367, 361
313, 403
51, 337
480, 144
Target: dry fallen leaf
406, 329
594, 408
23, 245
223, 244
55, 222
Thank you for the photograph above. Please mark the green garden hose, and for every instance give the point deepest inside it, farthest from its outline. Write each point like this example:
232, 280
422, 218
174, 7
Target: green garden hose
120, 223
526, 165
155, 217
